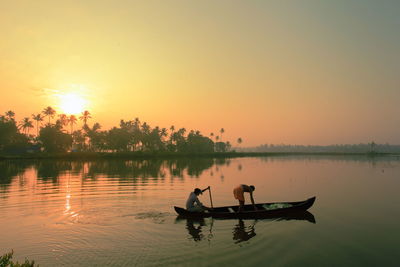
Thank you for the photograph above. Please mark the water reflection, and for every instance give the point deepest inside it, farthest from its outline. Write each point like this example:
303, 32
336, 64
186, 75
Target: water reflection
241, 233
52, 170
243, 230
194, 228
9, 170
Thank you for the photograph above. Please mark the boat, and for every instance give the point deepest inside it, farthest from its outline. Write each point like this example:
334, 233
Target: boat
264, 210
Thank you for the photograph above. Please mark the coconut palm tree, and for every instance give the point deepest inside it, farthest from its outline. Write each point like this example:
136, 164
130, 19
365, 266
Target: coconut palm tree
26, 125
10, 115
91, 133
85, 117
38, 117
63, 119
221, 131
172, 129
49, 112
136, 123
239, 141
145, 128
163, 132
72, 120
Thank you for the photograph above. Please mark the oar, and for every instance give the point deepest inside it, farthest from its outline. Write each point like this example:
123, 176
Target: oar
209, 191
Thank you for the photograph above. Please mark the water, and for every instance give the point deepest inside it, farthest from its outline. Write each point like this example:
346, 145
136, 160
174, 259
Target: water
119, 213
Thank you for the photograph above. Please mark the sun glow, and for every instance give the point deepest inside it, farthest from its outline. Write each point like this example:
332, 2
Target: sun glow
72, 103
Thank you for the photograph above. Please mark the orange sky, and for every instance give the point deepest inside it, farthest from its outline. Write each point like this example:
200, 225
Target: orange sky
309, 73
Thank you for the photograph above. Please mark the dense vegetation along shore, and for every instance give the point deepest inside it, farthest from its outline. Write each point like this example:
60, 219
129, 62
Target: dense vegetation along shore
59, 136
136, 139
168, 155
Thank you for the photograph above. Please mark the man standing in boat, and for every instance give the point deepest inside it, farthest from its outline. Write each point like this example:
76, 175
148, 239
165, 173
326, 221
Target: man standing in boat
238, 193
193, 203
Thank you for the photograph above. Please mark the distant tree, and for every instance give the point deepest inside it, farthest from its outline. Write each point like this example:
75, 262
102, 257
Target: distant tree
54, 140
178, 141
136, 134
78, 140
221, 147
118, 139
11, 141
136, 123
10, 115
49, 112
38, 118
64, 120
222, 132
239, 141
72, 120
228, 146
197, 143
85, 117
154, 140
93, 135
26, 125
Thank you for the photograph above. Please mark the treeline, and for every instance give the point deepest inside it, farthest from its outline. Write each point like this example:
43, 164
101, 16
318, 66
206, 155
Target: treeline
371, 147
55, 134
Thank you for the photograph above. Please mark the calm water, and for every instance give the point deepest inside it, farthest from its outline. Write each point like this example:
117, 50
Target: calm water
119, 213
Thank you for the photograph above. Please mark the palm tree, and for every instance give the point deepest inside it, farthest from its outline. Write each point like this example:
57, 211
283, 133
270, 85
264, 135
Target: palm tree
85, 117
239, 141
91, 133
228, 146
63, 119
72, 120
49, 112
221, 131
26, 125
163, 132
10, 115
145, 128
136, 123
38, 117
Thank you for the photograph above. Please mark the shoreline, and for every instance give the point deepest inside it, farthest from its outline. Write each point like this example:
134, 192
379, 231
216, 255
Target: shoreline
169, 155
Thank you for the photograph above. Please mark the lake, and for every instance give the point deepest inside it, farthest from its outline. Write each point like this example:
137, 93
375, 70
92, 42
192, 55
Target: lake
120, 213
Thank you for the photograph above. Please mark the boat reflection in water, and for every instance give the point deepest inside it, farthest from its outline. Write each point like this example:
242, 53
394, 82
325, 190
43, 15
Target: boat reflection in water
198, 229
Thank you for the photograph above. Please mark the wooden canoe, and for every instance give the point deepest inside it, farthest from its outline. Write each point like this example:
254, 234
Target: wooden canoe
264, 210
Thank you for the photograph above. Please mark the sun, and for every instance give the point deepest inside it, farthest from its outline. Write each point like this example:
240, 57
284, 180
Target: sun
72, 103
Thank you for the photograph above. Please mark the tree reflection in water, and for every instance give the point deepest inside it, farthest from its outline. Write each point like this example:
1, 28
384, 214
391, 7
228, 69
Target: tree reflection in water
48, 170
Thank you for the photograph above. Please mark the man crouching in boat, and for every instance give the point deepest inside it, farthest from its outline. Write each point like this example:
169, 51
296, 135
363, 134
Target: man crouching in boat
238, 192
193, 203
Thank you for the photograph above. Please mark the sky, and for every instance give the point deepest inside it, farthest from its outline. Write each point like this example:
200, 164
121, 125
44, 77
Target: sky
292, 72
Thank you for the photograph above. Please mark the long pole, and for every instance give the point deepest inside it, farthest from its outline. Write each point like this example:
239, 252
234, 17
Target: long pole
209, 191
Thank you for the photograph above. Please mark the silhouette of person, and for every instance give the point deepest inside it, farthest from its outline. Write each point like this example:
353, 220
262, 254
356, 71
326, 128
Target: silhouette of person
195, 231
